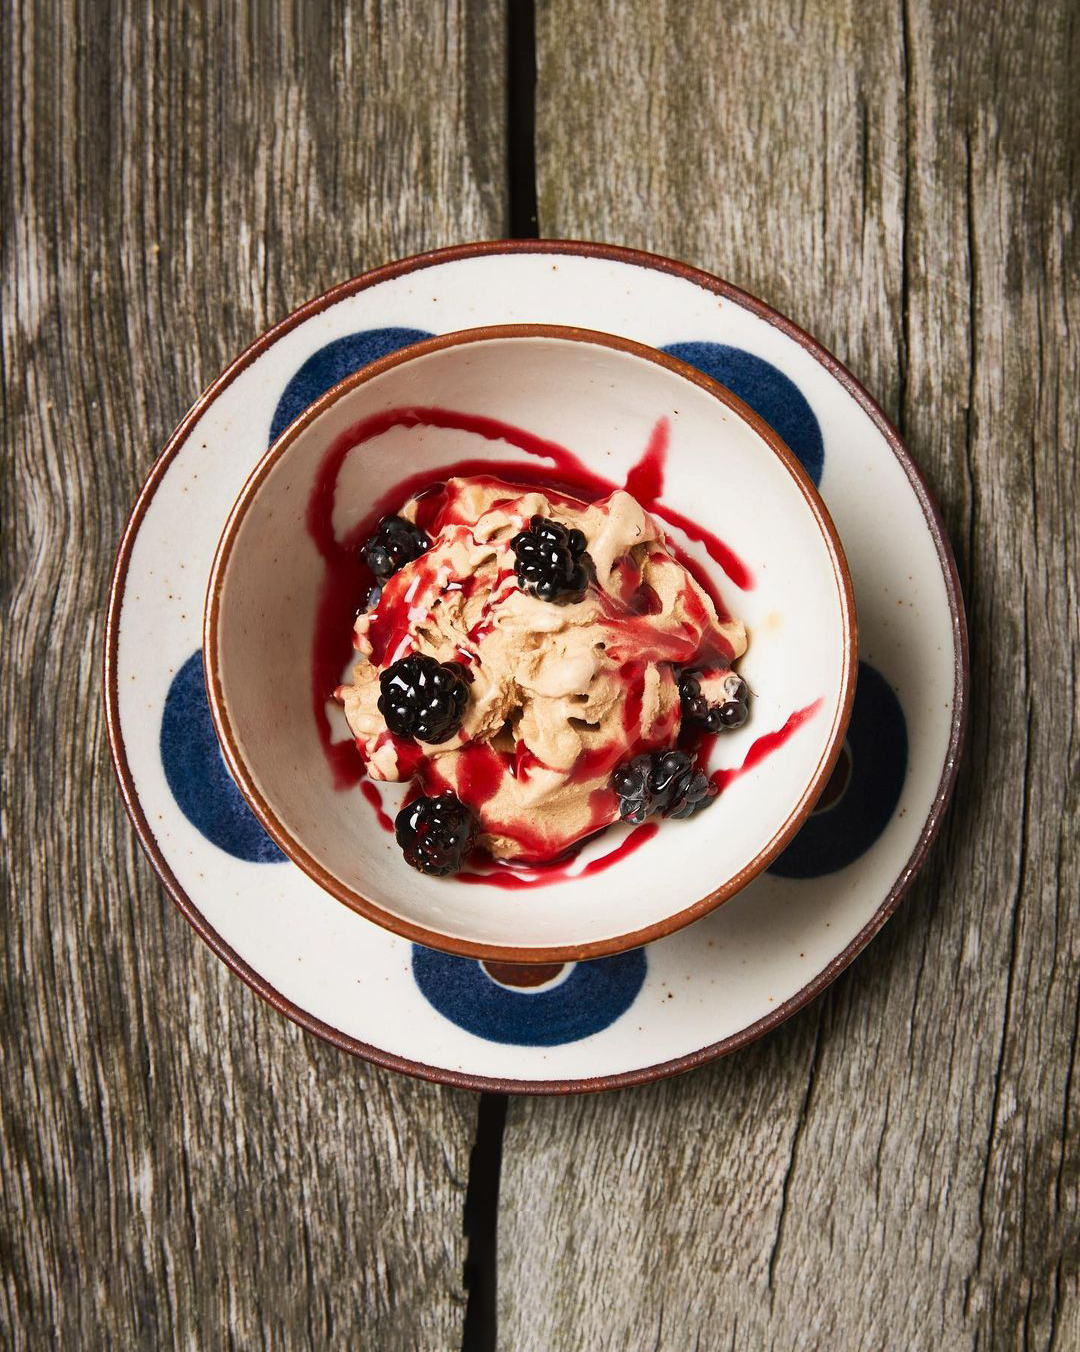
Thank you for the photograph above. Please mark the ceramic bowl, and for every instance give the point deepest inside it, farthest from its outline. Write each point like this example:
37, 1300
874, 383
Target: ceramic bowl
602, 397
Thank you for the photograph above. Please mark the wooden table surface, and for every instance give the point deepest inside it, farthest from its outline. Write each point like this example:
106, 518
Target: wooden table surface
899, 1165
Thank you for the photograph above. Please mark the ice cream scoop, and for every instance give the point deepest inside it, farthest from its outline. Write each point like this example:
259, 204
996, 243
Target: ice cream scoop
561, 690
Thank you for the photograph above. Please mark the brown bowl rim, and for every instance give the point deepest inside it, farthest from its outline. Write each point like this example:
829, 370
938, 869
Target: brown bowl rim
501, 1084
292, 846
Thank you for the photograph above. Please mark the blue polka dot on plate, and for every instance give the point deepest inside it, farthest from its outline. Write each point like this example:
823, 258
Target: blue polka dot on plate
196, 773
590, 998
335, 361
769, 392
860, 799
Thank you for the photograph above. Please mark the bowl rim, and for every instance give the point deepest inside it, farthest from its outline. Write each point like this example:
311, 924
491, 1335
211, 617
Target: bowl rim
468, 948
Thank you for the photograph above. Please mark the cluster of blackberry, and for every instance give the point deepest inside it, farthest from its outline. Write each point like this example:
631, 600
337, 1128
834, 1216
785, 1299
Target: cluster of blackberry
423, 698
661, 782
696, 709
551, 562
435, 834
395, 543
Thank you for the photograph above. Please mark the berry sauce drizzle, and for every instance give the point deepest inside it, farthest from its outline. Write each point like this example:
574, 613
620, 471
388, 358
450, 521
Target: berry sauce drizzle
645, 482
348, 582
765, 745
514, 877
371, 793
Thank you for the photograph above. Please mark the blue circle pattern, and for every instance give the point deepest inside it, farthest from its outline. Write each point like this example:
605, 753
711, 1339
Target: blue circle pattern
334, 362
771, 394
591, 998
196, 773
877, 741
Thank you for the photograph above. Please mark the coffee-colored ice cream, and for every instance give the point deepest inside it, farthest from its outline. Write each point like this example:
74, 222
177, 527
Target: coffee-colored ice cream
559, 695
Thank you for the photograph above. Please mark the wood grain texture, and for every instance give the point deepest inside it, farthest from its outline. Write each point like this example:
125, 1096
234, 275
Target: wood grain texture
182, 1167
898, 1167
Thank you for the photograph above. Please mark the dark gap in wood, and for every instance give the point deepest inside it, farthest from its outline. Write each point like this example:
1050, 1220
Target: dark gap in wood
485, 1162
521, 119
482, 1224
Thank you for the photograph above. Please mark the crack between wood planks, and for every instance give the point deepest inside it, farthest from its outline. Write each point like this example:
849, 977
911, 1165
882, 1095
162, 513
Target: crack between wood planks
793, 1156
481, 1212
522, 215
481, 1222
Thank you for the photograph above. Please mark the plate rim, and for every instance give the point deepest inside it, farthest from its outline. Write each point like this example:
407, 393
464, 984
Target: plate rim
444, 1075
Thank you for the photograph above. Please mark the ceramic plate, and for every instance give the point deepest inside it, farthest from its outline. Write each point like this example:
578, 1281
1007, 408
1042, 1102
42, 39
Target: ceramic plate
619, 1020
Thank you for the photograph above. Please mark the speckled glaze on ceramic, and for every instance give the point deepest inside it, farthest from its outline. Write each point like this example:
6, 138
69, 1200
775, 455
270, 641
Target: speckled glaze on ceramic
632, 1016
603, 398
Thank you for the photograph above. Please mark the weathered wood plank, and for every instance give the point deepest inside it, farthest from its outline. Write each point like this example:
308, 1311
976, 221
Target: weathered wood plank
898, 1167
182, 1167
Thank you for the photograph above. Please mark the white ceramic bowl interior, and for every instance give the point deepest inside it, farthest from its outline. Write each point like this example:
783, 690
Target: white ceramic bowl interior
602, 402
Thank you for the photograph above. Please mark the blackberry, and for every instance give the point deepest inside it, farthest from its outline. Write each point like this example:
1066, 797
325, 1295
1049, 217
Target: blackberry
732, 712
423, 698
435, 834
551, 562
664, 782
395, 543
